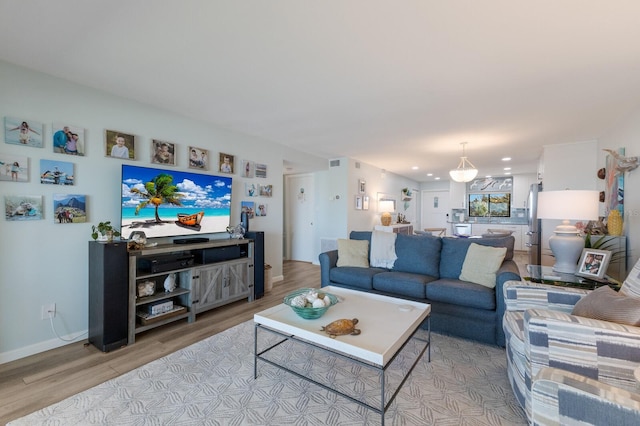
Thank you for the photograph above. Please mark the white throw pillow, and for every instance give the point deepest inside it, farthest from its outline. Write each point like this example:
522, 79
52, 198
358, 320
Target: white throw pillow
481, 264
353, 253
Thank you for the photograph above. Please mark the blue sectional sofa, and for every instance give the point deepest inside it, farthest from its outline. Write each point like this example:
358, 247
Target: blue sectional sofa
427, 269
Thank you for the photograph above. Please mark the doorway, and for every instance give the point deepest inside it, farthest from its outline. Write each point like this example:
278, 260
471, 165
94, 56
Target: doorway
435, 209
299, 232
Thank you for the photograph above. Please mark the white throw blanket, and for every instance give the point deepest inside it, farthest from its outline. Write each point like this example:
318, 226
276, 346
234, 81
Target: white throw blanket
383, 249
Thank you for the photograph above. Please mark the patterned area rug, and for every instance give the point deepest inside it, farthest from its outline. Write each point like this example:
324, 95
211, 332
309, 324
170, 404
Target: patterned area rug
211, 383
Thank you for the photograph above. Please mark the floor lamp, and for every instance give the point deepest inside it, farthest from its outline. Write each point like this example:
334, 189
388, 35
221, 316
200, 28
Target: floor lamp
566, 244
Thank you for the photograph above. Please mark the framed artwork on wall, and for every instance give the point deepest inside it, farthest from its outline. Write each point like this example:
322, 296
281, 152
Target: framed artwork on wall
69, 208
68, 139
119, 145
198, 158
358, 202
56, 172
14, 168
261, 170
362, 186
18, 131
226, 163
247, 168
163, 152
365, 202
23, 207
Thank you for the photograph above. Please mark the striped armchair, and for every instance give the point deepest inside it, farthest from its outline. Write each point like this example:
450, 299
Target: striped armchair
541, 332
561, 397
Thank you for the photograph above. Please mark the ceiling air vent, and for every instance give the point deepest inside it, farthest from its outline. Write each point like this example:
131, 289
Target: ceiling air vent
334, 163
357, 164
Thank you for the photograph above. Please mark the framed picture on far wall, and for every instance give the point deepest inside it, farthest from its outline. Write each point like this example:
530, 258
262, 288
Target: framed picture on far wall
226, 163
198, 158
56, 172
120, 145
18, 131
163, 152
23, 207
593, 263
14, 168
69, 208
68, 139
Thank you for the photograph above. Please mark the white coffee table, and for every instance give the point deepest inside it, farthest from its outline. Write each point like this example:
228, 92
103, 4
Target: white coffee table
386, 325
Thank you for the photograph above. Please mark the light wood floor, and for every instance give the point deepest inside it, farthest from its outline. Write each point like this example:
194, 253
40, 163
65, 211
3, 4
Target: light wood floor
35, 382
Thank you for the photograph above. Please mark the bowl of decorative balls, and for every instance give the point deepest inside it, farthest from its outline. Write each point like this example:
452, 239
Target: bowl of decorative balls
310, 303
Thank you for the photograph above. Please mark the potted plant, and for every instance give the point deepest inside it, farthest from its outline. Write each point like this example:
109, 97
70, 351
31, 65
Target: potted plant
104, 232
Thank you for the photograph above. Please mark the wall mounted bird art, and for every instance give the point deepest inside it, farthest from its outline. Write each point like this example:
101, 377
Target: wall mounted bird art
623, 164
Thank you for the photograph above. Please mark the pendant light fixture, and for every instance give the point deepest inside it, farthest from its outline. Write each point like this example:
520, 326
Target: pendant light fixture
465, 171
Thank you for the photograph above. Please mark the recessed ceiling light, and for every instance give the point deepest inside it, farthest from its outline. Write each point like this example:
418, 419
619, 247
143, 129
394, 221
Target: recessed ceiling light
437, 178
507, 168
429, 174
507, 173
488, 176
415, 168
506, 159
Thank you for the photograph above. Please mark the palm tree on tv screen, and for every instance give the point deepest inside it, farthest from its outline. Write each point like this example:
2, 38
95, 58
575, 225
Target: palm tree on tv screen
159, 190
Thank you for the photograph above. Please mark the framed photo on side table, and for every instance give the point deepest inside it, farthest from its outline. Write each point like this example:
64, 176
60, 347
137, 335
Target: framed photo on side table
593, 263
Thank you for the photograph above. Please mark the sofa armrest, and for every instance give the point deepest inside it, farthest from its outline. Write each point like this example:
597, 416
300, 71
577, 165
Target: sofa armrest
523, 295
600, 350
508, 271
559, 397
328, 260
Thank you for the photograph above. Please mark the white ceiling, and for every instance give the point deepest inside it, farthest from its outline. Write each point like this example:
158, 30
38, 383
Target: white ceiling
394, 84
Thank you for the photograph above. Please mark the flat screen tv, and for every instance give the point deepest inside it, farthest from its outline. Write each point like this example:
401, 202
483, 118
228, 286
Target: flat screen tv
168, 203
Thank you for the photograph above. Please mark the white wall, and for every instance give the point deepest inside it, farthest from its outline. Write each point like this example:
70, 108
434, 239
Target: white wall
43, 262
338, 186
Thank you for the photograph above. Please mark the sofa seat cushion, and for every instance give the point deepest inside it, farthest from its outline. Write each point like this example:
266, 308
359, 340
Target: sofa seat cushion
351, 276
418, 254
462, 293
402, 283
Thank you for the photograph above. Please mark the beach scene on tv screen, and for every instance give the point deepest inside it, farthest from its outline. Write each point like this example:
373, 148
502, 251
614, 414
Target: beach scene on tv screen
165, 203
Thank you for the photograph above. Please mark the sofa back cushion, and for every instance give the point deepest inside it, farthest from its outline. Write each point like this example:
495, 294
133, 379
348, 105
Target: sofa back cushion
362, 235
418, 254
353, 253
454, 251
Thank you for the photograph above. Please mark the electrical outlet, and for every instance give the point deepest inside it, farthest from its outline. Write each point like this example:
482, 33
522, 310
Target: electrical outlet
48, 311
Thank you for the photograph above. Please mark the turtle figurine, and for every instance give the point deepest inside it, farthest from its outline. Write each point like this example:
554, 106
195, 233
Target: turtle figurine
341, 327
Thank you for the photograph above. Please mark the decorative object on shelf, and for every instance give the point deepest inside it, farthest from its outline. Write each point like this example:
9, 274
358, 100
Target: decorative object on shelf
341, 327
466, 171
137, 240
104, 232
566, 244
407, 195
614, 223
146, 288
593, 263
170, 283
309, 303
236, 232
602, 173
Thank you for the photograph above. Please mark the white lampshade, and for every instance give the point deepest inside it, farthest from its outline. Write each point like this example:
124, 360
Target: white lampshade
463, 175
386, 206
566, 245
569, 205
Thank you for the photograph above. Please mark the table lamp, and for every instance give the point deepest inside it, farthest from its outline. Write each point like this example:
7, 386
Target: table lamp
386, 207
566, 244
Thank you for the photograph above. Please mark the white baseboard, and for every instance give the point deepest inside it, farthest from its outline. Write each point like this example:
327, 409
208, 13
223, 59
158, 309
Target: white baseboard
38, 348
